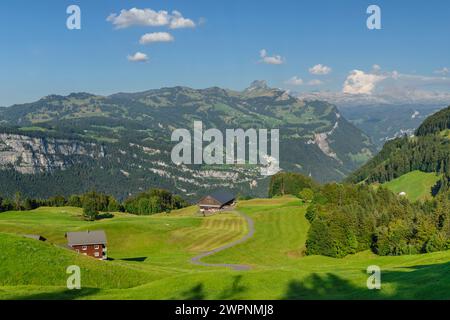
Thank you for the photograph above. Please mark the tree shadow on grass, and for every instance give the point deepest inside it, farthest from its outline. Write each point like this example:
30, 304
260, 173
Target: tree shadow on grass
415, 282
235, 289
61, 294
197, 292
326, 286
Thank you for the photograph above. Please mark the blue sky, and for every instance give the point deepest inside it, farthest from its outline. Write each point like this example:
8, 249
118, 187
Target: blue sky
40, 56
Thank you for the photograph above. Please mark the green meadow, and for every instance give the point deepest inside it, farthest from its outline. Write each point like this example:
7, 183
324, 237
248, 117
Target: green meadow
416, 184
151, 259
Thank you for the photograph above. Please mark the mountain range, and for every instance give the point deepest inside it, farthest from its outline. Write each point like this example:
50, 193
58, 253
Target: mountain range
121, 144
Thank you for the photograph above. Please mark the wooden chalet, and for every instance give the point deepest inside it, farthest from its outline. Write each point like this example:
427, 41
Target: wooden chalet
88, 243
216, 201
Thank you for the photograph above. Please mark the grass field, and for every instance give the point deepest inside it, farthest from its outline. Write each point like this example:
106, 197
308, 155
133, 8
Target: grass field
416, 184
151, 259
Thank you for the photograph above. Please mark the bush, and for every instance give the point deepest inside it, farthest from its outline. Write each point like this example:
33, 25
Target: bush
153, 201
289, 183
306, 194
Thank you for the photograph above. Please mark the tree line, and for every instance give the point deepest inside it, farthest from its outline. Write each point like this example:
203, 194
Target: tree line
93, 203
346, 219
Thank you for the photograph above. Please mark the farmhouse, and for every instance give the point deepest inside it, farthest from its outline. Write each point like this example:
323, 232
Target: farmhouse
89, 243
216, 201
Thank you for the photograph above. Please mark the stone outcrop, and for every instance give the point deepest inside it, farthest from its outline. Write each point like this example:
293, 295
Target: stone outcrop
31, 155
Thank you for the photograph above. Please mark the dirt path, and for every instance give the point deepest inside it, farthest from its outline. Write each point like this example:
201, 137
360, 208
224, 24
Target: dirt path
250, 234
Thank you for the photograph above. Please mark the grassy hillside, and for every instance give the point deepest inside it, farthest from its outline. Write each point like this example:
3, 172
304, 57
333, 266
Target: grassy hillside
416, 184
281, 234
35, 270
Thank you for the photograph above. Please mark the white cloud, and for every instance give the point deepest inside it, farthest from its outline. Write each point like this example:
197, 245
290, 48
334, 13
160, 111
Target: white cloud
178, 21
403, 96
444, 71
359, 82
156, 37
376, 68
320, 69
415, 80
315, 82
138, 57
294, 81
149, 18
277, 59
376, 88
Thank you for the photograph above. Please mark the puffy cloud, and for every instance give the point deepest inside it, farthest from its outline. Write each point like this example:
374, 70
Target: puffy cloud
294, 81
178, 21
138, 57
149, 18
277, 59
359, 82
156, 37
320, 69
444, 71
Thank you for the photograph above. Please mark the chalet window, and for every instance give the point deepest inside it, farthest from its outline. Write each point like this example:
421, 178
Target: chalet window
96, 247
84, 248
97, 254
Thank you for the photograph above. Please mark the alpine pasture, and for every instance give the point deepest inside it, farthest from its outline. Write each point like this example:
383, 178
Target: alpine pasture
150, 258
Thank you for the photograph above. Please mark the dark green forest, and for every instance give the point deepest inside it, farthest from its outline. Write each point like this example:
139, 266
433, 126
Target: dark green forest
427, 151
346, 219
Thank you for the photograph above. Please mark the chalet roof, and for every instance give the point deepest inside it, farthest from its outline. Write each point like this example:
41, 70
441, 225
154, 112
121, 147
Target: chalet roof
86, 238
222, 197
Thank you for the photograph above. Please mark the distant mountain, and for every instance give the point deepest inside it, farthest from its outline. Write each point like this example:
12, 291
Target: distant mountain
427, 151
384, 116
121, 144
385, 122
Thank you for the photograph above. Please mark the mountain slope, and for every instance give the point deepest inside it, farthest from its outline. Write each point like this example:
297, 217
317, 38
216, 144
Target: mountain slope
428, 151
416, 185
123, 141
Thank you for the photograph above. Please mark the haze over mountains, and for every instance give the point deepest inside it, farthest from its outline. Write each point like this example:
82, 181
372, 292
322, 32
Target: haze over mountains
80, 142
384, 116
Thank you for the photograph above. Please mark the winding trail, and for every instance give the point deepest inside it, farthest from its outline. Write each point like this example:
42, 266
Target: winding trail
238, 267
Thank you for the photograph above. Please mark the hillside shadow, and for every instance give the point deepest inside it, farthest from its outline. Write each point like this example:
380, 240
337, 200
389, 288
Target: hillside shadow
420, 281
137, 259
415, 282
61, 295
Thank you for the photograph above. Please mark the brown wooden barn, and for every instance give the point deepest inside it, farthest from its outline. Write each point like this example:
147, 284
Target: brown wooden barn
88, 243
216, 201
